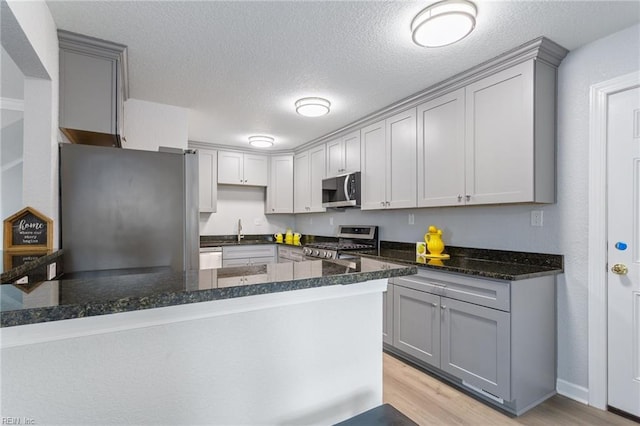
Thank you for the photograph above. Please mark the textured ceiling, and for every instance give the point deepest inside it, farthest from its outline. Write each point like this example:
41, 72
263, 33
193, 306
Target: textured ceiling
239, 65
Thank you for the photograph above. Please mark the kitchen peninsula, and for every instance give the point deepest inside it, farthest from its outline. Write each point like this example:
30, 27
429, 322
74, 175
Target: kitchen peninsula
163, 347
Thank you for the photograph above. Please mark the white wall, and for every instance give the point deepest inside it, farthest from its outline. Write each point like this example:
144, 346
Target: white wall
565, 229
272, 359
32, 42
245, 203
11, 136
149, 125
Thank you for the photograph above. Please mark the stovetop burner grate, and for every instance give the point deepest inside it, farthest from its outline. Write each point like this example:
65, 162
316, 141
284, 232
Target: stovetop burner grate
350, 238
340, 246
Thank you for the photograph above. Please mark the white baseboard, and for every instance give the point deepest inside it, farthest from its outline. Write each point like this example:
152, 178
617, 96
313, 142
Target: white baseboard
573, 391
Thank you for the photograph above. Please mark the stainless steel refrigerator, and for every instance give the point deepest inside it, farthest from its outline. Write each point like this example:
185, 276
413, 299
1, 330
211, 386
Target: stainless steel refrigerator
124, 209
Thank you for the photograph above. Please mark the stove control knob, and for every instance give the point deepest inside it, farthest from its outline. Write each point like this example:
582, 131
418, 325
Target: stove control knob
316, 252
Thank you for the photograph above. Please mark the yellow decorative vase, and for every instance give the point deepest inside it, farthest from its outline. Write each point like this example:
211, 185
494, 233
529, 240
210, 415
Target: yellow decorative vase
435, 245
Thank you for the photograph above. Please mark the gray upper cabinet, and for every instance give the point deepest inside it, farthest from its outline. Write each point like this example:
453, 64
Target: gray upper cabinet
343, 155
483, 136
93, 87
238, 168
510, 136
280, 189
491, 142
441, 180
208, 172
309, 170
388, 155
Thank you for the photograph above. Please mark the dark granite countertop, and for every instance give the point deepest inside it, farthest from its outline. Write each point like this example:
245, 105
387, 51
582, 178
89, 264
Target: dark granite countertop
486, 263
91, 294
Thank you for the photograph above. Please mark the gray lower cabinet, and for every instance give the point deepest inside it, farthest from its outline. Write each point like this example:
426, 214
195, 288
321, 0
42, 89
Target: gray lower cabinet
245, 255
416, 324
475, 346
288, 253
387, 314
496, 338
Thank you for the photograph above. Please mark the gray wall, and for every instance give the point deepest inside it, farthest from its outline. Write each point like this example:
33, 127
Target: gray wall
565, 229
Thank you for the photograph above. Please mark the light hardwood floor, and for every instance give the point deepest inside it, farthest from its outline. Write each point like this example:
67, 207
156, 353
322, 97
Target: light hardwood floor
428, 401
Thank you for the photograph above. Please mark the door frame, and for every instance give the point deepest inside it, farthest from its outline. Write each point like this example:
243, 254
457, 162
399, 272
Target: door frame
597, 254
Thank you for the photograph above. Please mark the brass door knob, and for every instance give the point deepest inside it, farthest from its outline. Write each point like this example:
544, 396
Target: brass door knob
620, 269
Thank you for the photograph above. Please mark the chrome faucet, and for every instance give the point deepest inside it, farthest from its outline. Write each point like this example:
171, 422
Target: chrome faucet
240, 236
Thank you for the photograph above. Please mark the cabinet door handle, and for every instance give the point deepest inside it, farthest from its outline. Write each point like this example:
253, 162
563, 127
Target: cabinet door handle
382, 203
443, 307
468, 197
459, 198
388, 203
435, 305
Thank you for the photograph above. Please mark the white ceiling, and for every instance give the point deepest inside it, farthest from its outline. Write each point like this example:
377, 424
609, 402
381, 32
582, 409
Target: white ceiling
240, 65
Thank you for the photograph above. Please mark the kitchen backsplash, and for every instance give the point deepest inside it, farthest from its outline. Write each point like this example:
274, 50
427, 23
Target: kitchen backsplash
503, 227
246, 204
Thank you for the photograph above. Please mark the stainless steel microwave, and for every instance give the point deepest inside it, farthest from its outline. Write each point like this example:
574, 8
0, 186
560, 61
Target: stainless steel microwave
341, 191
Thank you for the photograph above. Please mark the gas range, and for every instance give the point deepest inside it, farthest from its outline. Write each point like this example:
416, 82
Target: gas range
351, 238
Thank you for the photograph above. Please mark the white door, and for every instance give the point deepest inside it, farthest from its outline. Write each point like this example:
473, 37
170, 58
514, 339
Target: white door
623, 157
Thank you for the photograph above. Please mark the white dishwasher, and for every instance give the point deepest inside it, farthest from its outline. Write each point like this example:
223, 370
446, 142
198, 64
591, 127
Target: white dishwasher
210, 257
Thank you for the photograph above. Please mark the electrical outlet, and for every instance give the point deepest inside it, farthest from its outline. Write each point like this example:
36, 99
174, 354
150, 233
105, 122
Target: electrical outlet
536, 217
412, 219
51, 271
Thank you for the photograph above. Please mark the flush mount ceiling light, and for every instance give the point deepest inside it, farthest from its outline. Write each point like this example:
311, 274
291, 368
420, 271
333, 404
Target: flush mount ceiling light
261, 141
312, 107
443, 23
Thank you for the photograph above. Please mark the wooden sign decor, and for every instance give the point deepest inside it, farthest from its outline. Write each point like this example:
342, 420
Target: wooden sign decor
28, 230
